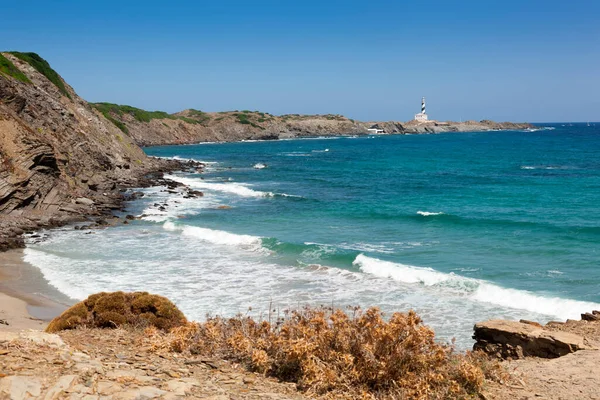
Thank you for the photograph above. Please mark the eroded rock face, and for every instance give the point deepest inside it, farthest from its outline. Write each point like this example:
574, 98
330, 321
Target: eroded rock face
54, 149
511, 339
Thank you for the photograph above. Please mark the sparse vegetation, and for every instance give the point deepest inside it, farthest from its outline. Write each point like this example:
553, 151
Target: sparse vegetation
117, 309
244, 118
43, 68
8, 68
110, 110
198, 116
330, 353
137, 113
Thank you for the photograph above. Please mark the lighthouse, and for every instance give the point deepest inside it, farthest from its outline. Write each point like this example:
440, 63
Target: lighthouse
422, 116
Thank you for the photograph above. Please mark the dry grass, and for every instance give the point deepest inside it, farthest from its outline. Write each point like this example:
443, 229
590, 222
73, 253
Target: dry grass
117, 309
330, 353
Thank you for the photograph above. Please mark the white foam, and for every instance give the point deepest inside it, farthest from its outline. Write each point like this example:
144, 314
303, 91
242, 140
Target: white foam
216, 237
176, 204
550, 167
428, 213
523, 300
178, 158
233, 188
296, 154
401, 272
259, 166
476, 289
555, 272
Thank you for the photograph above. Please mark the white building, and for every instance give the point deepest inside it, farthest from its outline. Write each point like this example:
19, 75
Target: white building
422, 116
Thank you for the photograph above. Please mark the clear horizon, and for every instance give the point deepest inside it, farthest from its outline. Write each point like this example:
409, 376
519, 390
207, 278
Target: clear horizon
505, 61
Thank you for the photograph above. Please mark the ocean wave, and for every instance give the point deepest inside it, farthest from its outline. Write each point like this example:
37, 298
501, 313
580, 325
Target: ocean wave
233, 188
239, 189
247, 242
429, 213
321, 151
475, 289
295, 154
178, 158
259, 166
543, 128
548, 167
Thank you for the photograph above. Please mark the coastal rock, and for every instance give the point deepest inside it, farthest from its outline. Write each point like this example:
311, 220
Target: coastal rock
593, 316
55, 147
84, 201
511, 339
142, 393
63, 384
20, 387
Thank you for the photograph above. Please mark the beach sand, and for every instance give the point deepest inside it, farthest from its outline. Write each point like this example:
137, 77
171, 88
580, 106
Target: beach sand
26, 299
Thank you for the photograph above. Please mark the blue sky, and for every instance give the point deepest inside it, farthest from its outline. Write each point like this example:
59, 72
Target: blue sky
526, 60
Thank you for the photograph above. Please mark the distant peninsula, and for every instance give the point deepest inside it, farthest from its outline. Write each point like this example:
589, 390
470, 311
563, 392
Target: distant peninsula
151, 128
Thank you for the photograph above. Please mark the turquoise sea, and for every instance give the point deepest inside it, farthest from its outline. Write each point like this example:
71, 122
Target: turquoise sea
460, 227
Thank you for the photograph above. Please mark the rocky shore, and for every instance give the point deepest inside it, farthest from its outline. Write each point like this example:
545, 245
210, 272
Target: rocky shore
61, 160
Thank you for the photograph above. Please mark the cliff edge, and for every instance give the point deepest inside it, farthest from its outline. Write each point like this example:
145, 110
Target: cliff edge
60, 158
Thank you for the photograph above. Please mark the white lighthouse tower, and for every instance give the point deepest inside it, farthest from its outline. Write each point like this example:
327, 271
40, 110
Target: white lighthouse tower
422, 116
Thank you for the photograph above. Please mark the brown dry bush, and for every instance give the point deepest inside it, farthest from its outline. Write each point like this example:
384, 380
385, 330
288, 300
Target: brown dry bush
329, 353
117, 309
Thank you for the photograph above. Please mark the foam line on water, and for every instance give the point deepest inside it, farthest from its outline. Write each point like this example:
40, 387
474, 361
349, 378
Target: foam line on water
216, 237
429, 213
178, 158
233, 188
475, 289
238, 189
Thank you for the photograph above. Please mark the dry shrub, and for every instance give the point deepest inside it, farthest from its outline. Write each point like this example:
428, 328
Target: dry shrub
329, 353
113, 310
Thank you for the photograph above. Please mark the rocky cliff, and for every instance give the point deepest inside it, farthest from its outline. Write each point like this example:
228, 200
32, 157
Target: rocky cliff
60, 158
192, 126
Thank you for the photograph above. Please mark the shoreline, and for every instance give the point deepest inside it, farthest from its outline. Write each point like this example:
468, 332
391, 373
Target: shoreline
27, 301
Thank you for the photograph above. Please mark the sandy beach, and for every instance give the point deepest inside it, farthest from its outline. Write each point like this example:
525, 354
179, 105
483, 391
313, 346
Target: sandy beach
26, 300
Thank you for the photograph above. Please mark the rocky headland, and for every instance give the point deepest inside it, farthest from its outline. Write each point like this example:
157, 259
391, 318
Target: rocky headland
61, 160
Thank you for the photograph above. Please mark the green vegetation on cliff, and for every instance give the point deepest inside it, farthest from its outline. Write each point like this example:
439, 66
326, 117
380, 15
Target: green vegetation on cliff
8, 68
110, 110
43, 68
198, 116
244, 118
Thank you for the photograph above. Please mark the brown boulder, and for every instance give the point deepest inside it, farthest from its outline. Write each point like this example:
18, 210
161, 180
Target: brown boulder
511, 339
590, 317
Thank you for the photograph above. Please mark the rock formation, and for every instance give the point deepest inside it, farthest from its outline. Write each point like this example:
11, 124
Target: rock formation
515, 340
511, 339
60, 158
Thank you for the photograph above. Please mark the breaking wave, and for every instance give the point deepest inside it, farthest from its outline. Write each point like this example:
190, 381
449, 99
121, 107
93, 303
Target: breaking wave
475, 289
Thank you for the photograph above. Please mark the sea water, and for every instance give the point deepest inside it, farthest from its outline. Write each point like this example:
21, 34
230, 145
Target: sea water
461, 227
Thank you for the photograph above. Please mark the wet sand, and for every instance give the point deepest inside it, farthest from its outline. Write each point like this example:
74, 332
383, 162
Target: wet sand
27, 301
